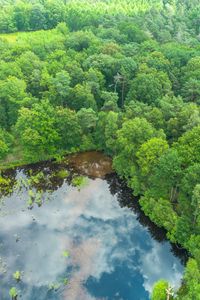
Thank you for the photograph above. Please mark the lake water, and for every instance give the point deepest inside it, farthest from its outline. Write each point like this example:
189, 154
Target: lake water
80, 243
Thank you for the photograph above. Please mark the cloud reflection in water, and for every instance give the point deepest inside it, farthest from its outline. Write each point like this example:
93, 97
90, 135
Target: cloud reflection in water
112, 256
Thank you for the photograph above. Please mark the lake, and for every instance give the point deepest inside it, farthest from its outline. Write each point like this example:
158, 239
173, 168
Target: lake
79, 238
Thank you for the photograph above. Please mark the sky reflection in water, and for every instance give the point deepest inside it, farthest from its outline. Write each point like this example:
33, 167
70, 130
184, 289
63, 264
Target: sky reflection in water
112, 256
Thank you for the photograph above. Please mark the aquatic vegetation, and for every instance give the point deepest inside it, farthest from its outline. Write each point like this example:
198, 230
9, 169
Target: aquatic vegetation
38, 198
65, 281
21, 183
57, 285
4, 181
29, 203
4, 185
62, 173
17, 275
65, 269
30, 198
80, 181
65, 253
31, 193
35, 179
13, 293
34, 197
54, 286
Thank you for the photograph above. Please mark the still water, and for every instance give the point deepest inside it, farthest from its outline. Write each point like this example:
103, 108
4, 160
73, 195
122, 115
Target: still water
79, 243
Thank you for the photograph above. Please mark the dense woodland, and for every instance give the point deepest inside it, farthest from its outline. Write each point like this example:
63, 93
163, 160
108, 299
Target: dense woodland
118, 76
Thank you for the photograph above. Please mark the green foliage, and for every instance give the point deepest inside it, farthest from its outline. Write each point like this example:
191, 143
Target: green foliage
160, 211
129, 140
80, 181
149, 154
159, 290
68, 129
149, 85
3, 149
118, 76
17, 275
36, 130
188, 146
13, 293
82, 97
62, 174
4, 185
65, 253
54, 286
87, 119
191, 287
111, 127
167, 174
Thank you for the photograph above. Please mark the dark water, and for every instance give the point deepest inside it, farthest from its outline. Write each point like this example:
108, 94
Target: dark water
80, 243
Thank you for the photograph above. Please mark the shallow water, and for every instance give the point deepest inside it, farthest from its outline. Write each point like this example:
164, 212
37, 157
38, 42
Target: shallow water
92, 236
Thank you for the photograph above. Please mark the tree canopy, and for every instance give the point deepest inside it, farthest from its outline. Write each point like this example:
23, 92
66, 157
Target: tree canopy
122, 77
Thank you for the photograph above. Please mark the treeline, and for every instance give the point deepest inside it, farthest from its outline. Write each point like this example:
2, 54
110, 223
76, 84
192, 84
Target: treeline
165, 20
118, 87
33, 15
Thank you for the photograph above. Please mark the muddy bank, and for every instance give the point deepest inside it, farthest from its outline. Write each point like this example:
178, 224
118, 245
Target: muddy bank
94, 164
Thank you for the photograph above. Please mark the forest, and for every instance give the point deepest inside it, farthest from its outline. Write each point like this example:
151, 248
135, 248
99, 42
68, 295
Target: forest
117, 76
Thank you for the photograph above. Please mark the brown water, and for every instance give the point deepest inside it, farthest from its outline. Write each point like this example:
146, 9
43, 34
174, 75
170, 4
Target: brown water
92, 163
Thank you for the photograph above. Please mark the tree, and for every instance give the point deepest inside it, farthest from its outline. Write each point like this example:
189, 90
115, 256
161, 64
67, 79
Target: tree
149, 85
28, 62
36, 130
149, 154
37, 19
193, 244
87, 119
5, 143
81, 97
95, 80
159, 290
196, 208
110, 101
191, 90
7, 22
99, 135
80, 40
129, 139
166, 177
188, 146
112, 125
21, 16
9, 69
191, 281
68, 128
191, 178
161, 212
54, 14
59, 89
133, 32
12, 97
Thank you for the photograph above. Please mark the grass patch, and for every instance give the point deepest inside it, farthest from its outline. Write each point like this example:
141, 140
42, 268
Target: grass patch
10, 37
